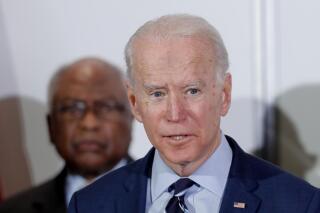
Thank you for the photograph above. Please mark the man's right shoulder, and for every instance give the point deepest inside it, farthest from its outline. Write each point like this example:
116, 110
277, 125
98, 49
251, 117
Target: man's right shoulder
115, 180
126, 183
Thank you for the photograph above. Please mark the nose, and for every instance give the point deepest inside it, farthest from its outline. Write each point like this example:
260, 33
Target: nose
89, 121
175, 109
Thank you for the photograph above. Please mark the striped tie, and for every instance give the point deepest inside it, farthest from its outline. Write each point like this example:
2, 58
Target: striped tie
176, 204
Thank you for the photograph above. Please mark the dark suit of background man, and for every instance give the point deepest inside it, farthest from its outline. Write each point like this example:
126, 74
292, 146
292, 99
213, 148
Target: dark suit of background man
90, 126
179, 87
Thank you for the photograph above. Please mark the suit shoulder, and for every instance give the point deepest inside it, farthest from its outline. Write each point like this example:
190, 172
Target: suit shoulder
115, 186
247, 166
276, 188
24, 200
112, 183
48, 196
115, 178
251, 169
272, 176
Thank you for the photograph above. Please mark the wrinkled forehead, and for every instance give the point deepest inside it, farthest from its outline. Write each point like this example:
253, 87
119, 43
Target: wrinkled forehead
152, 55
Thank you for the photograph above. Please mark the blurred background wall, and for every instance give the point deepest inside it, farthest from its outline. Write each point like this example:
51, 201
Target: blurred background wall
273, 47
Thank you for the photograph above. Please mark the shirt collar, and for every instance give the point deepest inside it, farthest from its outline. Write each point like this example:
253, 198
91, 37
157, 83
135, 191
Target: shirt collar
211, 175
74, 183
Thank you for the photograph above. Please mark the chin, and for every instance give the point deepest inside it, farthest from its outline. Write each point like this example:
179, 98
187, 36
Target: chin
94, 168
90, 163
182, 160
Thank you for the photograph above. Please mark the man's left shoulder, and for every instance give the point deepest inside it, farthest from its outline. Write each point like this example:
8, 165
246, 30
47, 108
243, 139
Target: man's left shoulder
271, 175
272, 188
249, 167
276, 188
279, 189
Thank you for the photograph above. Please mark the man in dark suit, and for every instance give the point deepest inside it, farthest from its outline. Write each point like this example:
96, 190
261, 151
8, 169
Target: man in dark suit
90, 126
179, 87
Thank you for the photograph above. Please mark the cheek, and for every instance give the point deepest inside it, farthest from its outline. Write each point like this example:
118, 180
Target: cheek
206, 116
67, 133
117, 134
153, 120
150, 112
63, 137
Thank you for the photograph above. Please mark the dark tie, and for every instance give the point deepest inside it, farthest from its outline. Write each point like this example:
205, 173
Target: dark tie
176, 203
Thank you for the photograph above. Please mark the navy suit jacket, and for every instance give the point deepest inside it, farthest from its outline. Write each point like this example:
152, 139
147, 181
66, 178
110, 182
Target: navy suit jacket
46, 198
261, 186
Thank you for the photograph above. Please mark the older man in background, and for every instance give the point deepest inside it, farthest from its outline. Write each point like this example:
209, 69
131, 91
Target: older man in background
90, 126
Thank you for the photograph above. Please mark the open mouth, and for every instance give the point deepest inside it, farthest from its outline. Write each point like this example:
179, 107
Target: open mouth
177, 137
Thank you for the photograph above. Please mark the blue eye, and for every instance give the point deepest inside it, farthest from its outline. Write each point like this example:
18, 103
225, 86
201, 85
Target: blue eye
157, 94
193, 91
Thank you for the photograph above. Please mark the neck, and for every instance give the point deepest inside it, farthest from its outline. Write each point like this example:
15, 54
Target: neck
88, 176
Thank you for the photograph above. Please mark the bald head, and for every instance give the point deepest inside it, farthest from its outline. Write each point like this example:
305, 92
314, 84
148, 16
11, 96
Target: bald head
80, 71
178, 26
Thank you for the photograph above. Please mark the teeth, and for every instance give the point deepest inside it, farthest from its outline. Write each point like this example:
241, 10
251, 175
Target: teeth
178, 137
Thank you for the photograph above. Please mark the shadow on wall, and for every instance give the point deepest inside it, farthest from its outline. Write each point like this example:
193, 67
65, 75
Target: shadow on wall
244, 123
291, 127
23, 130
26, 156
15, 174
14, 167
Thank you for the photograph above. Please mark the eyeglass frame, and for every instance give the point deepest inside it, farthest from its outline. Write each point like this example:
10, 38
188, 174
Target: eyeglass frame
75, 109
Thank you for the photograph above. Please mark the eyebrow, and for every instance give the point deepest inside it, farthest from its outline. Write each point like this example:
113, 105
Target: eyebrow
152, 87
198, 83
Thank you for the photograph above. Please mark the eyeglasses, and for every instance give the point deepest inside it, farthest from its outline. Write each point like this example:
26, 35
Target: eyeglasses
104, 110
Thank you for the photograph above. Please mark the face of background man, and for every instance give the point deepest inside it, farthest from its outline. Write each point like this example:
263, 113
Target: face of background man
93, 141
178, 100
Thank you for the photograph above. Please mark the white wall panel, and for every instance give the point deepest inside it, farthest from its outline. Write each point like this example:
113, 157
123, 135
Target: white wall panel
42, 35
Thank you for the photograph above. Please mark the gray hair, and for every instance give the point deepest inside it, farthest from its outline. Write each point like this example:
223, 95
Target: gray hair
180, 25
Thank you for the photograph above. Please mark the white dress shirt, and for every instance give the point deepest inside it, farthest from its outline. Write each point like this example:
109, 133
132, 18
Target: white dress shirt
212, 176
76, 182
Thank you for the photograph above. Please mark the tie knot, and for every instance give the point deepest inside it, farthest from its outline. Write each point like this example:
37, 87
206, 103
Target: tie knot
180, 185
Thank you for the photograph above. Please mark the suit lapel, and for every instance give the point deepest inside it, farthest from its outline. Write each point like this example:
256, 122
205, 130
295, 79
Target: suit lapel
135, 186
134, 198
239, 193
239, 197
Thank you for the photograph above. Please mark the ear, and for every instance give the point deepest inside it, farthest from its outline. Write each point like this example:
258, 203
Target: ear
133, 101
226, 94
50, 123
